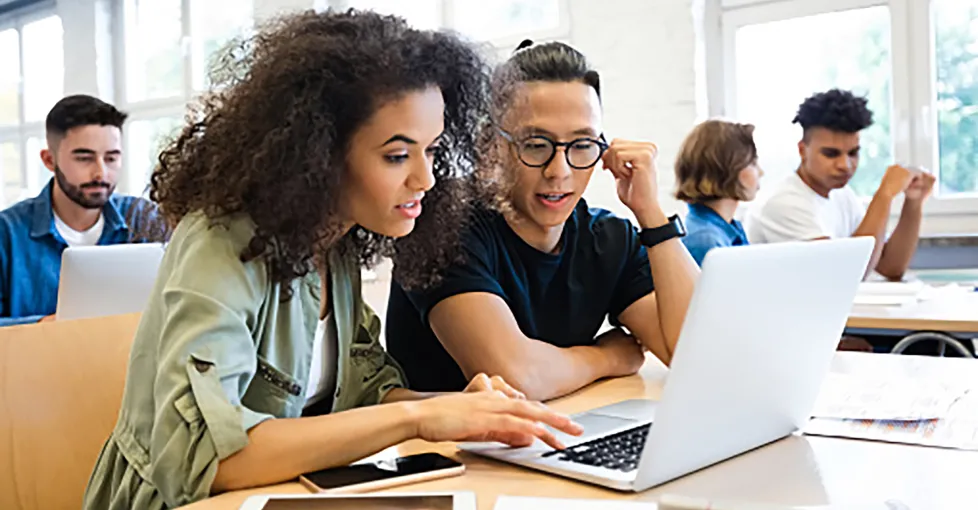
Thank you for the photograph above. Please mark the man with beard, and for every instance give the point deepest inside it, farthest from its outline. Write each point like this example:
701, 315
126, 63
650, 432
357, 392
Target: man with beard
76, 208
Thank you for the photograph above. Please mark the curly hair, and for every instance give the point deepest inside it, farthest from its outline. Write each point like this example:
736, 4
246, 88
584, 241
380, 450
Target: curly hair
836, 110
271, 140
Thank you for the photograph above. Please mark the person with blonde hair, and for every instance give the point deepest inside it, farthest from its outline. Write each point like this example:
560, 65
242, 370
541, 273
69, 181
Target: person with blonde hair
716, 169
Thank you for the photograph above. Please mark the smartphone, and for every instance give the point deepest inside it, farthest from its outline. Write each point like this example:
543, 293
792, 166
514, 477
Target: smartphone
383, 474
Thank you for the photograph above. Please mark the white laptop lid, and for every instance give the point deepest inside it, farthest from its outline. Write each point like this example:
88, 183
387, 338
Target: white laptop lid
107, 280
758, 339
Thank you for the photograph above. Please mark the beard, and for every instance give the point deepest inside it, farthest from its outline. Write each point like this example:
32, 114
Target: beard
77, 193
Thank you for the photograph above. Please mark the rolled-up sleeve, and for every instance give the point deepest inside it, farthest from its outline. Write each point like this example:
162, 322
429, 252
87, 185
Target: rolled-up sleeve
207, 360
380, 373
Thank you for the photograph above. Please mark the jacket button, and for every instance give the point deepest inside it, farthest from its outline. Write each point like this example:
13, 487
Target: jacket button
201, 366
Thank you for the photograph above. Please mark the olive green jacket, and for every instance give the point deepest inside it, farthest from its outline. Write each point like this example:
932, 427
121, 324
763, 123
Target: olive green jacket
217, 352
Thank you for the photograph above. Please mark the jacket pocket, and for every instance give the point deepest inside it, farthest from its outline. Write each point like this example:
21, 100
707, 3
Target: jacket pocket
273, 391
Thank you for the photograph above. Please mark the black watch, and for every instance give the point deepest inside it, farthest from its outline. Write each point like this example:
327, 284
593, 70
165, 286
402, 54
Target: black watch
653, 236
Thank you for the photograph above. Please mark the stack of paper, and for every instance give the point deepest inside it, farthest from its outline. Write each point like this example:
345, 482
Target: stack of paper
905, 293
853, 397
889, 293
910, 411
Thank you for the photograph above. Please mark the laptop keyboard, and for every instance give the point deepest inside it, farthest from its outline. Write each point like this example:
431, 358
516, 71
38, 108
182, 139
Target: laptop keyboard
620, 451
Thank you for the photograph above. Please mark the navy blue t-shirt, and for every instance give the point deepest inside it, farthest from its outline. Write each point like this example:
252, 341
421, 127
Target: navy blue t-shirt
562, 299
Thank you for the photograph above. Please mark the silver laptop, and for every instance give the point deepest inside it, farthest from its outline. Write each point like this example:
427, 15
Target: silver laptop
106, 280
758, 340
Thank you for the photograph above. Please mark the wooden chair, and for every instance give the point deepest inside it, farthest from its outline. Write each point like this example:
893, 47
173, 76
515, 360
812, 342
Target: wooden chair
60, 388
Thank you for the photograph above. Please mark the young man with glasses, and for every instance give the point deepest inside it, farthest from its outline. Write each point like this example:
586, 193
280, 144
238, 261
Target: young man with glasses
539, 280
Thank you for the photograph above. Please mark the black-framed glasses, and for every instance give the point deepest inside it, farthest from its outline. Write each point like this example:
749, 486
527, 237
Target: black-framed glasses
537, 151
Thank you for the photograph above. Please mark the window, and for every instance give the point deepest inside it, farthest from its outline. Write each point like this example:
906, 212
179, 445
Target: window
170, 47
9, 81
13, 179
38, 175
32, 57
855, 57
213, 24
425, 14
146, 138
499, 21
43, 67
956, 62
154, 57
915, 60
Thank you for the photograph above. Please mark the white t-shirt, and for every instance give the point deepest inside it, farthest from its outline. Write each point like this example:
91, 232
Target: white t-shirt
73, 237
795, 212
322, 370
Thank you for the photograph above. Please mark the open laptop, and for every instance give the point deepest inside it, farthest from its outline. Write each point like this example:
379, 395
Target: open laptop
758, 340
106, 280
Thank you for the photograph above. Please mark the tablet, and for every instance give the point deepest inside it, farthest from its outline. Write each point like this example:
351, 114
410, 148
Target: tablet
417, 501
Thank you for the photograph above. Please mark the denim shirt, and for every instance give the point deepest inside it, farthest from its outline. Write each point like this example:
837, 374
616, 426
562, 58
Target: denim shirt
30, 253
705, 230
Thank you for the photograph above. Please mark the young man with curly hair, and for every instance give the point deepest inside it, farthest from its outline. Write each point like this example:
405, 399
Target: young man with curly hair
816, 202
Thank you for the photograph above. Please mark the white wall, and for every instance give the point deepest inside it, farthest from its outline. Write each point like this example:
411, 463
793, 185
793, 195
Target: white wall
646, 54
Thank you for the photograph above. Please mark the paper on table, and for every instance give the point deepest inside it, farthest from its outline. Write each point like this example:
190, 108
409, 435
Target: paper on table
883, 300
888, 293
670, 502
527, 503
385, 456
905, 293
853, 397
958, 430
891, 288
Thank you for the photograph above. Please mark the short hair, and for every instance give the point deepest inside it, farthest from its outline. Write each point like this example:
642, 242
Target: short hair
710, 160
836, 110
552, 62
81, 110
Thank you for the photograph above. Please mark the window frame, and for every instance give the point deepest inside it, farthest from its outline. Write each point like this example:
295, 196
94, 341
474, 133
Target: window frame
23, 130
156, 108
914, 126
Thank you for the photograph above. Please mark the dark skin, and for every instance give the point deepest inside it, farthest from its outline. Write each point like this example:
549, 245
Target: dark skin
829, 160
390, 165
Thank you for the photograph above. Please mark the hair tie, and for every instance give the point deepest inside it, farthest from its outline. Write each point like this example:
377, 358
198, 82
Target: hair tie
525, 44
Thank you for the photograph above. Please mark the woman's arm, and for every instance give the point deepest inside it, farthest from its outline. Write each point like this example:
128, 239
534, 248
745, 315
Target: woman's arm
481, 382
280, 450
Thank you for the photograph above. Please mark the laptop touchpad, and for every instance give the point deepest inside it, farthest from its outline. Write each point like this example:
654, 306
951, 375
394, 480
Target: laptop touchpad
639, 409
595, 425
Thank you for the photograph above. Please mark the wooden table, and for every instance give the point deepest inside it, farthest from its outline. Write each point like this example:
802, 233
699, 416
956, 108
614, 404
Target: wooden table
798, 470
958, 315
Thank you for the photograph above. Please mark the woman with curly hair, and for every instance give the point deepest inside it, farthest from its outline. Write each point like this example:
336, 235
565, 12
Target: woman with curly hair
256, 359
